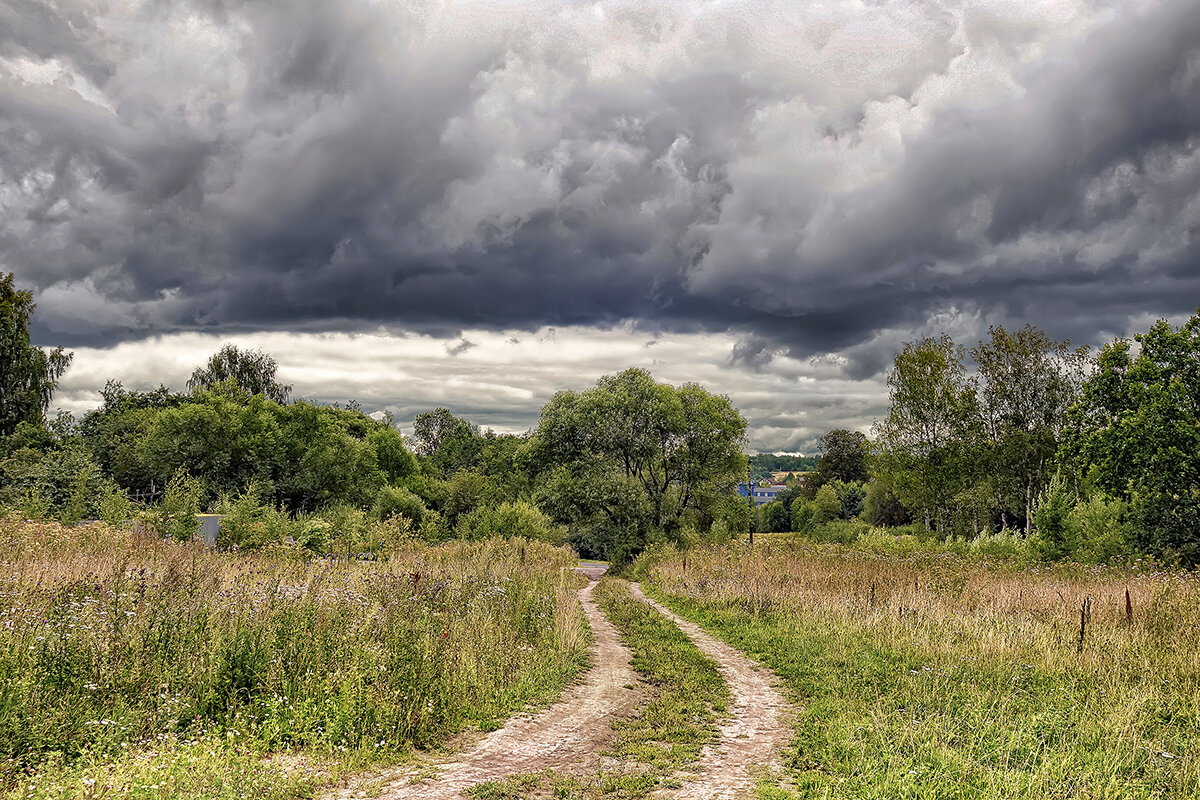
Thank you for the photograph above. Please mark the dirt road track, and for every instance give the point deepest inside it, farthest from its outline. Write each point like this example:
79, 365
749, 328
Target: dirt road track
568, 736
755, 732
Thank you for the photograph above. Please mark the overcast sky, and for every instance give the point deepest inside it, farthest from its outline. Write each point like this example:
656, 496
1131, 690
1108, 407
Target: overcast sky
475, 204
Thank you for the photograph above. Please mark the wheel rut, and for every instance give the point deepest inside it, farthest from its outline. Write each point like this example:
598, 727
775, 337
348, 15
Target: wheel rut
568, 736
750, 741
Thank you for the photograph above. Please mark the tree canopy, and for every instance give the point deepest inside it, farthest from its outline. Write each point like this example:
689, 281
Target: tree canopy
1135, 435
252, 370
28, 374
630, 459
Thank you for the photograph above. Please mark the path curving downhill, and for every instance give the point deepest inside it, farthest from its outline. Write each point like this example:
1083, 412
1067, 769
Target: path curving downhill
756, 730
568, 736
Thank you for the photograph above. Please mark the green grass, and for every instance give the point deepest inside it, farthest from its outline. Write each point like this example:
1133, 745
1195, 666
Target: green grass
950, 679
121, 656
684, 697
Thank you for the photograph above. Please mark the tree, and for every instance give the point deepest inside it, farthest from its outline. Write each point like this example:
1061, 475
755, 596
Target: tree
630, 460
843, 457
252, 370
446, 442
773, 517
1028, 382
28, 375
1135, 435
928, 438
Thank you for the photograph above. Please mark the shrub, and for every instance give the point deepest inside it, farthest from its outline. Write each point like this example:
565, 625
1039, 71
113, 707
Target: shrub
1099, 529
513, 518
397, 500
175, 517
826, 505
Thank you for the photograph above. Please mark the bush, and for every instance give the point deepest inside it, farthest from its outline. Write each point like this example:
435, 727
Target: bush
434, 528
850, 495
1099, 530
881, 507
802, 516
397, 500
1050, 517
249, 524
773, 518
826, 505
513, 518
175, 517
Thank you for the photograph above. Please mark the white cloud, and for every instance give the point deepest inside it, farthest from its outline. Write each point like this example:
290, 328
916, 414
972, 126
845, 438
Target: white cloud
503, 380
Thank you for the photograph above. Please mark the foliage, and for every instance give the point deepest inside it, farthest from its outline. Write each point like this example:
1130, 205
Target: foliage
1028, 381
398, 500
630, 459
843, 457
253, 371
448, 444
300, 456
826, 505
510, 518
881, 506
925, 453
851, 495
1135, 435
28, 374
175, 517
773, 517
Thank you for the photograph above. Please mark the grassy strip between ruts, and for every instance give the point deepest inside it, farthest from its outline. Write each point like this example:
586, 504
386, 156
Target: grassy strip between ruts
685, 695
959, 681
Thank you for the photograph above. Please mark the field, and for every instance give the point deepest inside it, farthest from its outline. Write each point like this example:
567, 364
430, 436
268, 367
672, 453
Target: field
943, 675
132, 667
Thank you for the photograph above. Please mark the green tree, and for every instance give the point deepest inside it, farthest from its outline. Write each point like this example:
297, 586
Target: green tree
773, 517
445, 442
1135, 435
252, 370
826, 505
843, 457
630, 459
928, 440
28, 374
1028, 382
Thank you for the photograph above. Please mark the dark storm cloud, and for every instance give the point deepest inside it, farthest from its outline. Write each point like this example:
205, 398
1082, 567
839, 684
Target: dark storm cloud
321, 166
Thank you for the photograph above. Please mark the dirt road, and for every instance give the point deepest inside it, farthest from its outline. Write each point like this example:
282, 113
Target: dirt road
756, 730
568, 736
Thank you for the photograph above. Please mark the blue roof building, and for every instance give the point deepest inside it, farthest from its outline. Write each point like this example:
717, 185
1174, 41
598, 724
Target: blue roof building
762, 494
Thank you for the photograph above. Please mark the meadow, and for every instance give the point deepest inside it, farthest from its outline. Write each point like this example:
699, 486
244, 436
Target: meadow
925, 672
135, 667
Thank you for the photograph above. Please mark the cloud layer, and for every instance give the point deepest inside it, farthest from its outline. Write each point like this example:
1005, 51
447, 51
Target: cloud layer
801, 179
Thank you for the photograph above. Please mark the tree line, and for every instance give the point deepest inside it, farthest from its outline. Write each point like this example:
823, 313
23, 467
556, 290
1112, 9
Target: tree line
1094, 457
609, 469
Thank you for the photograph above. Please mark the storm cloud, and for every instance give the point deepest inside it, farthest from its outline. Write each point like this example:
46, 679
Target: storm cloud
813, 182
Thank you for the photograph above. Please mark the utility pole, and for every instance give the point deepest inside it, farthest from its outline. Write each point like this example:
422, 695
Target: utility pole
750, 499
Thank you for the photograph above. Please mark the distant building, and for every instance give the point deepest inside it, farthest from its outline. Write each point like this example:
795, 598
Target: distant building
762, 494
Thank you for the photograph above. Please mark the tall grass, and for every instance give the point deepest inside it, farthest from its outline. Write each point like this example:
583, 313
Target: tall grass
947, 676
111, 641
